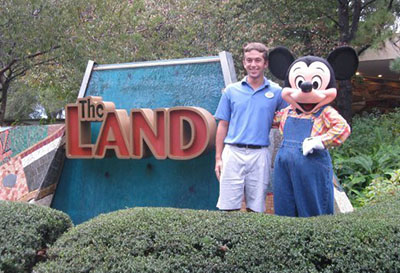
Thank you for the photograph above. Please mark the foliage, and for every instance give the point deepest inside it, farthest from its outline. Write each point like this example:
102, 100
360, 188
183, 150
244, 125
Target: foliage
115, 32
314, 28
176, 240
31, 32
52, 84
372, 151
26, 229
274, 22
381, 187
73, 32
395, 65
380, 25
21, 103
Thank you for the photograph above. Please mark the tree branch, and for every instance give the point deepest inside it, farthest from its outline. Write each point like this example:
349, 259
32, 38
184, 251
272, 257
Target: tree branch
32, 56
8, 66
48, 61
363, 49
332, 19
23, 70
390, 6
19, 73
367, 4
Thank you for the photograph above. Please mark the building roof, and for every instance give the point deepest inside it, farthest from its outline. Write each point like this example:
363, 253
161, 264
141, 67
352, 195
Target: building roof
375, 62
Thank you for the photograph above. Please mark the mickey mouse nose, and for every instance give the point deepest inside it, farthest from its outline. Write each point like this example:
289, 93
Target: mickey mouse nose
306, 87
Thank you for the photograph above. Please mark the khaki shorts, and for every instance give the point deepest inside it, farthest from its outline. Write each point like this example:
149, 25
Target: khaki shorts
245, 173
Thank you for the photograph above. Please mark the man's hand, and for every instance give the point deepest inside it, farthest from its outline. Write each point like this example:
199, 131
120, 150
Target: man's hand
218, 168
311, 143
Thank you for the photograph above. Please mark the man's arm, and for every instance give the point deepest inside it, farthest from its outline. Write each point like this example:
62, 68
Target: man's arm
222, 130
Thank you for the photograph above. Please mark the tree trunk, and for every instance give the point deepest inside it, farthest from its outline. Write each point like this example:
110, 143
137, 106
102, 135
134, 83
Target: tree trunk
4, 90
343, 12
347, 32
344, 100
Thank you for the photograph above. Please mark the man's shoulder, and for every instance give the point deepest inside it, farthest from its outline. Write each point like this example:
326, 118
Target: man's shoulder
233, 86
274, 87
238, 84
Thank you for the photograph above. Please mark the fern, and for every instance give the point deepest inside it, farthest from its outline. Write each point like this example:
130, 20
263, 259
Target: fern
372, 151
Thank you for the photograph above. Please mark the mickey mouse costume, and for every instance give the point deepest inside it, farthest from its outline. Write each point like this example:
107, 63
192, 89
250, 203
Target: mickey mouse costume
303, 171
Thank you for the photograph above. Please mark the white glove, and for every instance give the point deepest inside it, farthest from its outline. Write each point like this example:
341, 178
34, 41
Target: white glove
311, 143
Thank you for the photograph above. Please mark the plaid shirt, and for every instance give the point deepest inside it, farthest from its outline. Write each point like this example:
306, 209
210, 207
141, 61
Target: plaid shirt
330, 124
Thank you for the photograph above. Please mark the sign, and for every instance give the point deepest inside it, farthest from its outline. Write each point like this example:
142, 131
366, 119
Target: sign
139, 135
177, 133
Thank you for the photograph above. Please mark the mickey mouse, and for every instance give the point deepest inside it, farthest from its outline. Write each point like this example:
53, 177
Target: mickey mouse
303, 171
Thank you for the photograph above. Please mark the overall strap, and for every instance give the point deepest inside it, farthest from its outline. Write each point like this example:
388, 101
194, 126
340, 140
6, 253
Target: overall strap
296, 130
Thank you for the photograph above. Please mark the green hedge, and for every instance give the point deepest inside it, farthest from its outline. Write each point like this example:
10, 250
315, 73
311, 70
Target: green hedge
24, 230
176, 240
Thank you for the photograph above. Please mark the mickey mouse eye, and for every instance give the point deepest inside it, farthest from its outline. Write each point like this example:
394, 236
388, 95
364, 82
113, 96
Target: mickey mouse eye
316, 82
299, 80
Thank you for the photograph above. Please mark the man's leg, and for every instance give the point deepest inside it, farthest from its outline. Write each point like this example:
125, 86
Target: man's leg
258, 164
231, 184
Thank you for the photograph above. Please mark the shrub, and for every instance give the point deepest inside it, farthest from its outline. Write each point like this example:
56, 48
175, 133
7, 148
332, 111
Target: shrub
176, 240
372, 151
381, 187
24, 230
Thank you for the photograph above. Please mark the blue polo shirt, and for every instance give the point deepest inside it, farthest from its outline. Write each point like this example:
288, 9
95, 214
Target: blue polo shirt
249, 112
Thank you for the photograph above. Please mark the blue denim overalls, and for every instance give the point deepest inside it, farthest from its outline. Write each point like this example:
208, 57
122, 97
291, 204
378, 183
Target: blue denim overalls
302, 184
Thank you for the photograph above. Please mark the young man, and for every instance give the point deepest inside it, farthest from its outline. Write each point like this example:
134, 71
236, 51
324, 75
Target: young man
245, 112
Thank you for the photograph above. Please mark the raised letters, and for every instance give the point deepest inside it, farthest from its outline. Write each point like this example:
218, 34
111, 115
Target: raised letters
179, 133
148, 133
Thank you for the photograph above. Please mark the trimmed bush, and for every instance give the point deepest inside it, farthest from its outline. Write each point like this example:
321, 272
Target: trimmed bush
176, 240
26, 229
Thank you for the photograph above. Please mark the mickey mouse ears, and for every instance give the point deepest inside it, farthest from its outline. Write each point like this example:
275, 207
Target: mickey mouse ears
279, 60
344, 61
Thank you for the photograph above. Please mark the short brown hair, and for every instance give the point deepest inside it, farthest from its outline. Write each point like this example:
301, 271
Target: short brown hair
256, 46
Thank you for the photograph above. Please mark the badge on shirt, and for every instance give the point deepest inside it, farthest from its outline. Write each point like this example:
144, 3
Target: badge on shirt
269, 95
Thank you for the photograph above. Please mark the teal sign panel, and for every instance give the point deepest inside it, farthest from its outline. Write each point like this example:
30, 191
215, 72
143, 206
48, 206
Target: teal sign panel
88, 187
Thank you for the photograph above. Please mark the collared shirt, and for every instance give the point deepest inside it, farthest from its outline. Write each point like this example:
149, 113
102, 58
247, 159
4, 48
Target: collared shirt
249, 112
329, 124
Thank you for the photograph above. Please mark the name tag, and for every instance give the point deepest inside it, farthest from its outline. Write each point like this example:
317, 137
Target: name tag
269, 95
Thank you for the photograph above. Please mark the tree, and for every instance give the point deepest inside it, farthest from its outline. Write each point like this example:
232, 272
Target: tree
361, 24
314, 27
127, 31
49, 56
30, 32
21, 104
395, 65
364, 24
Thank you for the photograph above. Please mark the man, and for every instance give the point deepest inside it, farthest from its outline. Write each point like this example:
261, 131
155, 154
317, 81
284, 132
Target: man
245, 112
